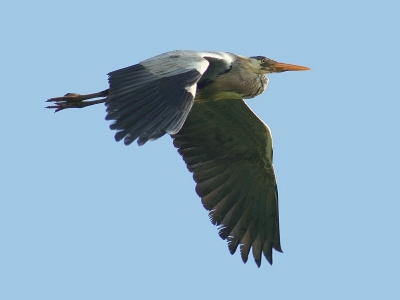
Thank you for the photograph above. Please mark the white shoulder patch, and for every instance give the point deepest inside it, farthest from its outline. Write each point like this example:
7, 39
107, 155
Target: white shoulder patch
191, 89
226, 56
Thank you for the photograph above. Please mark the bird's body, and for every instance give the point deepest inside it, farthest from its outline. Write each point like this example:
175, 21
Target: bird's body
196, 97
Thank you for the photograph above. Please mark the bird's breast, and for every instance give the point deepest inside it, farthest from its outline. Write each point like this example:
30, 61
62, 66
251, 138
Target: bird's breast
256, 86
225, 87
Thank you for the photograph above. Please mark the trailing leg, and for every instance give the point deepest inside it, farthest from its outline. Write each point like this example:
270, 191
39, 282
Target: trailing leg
72, 100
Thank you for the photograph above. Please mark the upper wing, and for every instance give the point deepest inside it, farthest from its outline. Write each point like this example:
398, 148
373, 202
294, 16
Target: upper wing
154, 97
229, 150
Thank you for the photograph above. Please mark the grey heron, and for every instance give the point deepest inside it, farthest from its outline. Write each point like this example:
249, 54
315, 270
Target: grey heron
197, 98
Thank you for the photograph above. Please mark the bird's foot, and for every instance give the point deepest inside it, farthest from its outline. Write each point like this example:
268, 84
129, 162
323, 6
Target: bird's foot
72, 100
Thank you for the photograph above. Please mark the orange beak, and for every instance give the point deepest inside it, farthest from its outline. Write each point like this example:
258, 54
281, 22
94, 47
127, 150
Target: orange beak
282, 67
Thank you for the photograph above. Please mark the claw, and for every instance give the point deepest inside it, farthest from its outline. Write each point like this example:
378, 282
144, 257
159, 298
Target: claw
58, 108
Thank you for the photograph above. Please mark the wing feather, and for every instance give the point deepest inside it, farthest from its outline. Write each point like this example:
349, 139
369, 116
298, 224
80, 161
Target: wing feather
229, 150
154, 97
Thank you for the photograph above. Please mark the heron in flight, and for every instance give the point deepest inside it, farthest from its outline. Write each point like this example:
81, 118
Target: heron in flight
197, 98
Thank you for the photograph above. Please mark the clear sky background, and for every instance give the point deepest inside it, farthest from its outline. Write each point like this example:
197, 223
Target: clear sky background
84, 217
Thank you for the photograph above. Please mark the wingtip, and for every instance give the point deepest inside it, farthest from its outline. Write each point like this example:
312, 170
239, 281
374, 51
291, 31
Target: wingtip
267, 251
232, 245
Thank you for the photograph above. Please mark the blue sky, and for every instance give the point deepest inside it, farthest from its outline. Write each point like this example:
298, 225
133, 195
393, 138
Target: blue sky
84, 217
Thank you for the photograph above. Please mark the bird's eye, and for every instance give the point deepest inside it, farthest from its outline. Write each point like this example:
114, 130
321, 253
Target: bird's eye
263, 60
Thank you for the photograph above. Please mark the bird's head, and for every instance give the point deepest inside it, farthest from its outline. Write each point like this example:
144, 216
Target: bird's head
264, 65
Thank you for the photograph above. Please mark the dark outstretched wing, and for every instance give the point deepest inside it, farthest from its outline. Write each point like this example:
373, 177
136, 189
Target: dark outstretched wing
155, 96
229, 150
